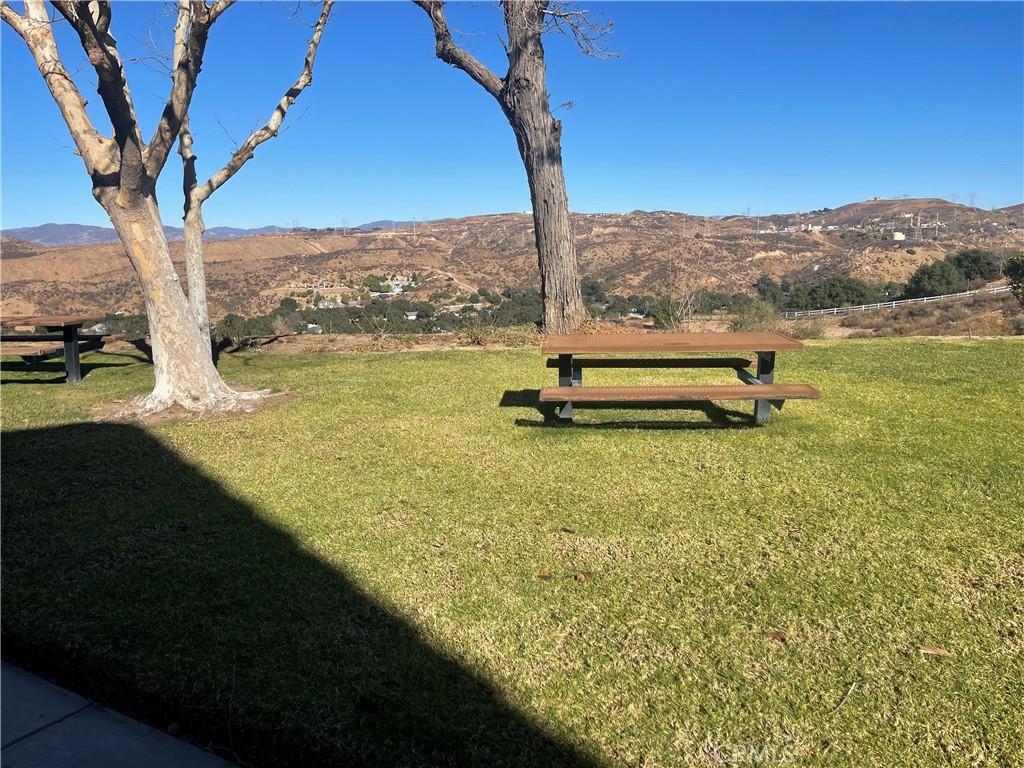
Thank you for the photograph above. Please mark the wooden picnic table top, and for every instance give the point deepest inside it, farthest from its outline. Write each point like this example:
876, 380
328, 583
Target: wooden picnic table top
47, 321
741, 341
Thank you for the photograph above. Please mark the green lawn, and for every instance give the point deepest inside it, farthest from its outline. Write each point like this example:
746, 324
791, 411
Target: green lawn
401, 564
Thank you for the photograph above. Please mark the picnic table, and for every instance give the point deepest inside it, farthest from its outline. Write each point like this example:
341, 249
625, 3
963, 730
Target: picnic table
32, 347
759, 386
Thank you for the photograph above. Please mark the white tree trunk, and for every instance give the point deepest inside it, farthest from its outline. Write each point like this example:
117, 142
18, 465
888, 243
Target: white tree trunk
196, 273
185, 373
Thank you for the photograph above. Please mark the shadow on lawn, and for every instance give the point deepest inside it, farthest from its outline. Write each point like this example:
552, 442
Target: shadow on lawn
717, 417
53, 371
133, 578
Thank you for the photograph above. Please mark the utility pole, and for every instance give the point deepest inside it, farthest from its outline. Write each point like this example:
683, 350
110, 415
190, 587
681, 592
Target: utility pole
759, 225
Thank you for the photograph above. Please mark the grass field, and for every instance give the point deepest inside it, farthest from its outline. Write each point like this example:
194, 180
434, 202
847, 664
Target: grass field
403, 565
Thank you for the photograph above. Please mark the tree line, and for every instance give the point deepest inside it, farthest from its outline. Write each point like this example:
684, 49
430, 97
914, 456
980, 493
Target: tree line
958, 272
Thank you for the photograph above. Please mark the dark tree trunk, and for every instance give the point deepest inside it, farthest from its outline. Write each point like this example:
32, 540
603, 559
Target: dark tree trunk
537, 134
525, 102
523, 97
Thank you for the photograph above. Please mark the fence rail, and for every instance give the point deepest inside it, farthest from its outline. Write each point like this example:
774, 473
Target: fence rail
792, 314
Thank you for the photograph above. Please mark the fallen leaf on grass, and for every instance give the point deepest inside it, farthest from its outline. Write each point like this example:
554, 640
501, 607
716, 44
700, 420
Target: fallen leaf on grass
583, 575
545, 573
931, 650
775, 634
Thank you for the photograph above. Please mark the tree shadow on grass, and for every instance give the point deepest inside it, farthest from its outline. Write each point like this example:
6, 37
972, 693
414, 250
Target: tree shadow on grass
53, 371
717, 417
133, 578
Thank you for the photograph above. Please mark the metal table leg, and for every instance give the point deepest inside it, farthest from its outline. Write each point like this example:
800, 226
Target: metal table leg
72, 362
765, 375
569, 375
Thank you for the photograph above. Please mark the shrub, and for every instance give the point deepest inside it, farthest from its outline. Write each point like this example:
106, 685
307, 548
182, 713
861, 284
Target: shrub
935, 279
809, 328
756, 316
769, 291
1013, 269
976, 264
478, 331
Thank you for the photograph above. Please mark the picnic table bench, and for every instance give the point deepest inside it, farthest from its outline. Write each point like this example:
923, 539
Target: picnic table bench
566, 351
32, 347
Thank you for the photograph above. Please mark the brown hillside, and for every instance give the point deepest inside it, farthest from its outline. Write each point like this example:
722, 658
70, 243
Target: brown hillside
634, 252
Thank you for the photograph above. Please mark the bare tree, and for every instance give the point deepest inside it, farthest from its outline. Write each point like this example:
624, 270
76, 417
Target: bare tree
523, 97
196, 194
124, 169
675, 309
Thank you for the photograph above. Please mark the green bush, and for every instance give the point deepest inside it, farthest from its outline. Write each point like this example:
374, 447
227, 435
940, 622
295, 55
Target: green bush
935, 279
976, 264
770, 291
1013, 269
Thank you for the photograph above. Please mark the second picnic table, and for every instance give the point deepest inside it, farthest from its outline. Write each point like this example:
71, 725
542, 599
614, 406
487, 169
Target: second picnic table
30, 346
759, 386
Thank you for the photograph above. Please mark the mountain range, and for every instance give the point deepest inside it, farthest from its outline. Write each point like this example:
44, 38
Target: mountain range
51, 234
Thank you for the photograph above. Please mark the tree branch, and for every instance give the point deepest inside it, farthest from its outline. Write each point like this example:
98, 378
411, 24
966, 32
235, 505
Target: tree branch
35, 29
190, 34
91, 20
14, 19
589, 34
448, 52
270, 128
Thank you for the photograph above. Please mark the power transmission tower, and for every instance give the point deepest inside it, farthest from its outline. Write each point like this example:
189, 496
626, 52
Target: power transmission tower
971, 196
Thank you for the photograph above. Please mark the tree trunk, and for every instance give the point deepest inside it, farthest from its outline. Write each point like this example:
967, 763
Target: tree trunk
525, 102
196, 273
537, 134
185, 373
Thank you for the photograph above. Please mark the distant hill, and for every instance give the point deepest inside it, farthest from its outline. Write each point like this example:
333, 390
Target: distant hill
383, 224
85, 234
642, 252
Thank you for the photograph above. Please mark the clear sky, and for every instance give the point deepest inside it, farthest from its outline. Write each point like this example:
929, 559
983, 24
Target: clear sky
709, 109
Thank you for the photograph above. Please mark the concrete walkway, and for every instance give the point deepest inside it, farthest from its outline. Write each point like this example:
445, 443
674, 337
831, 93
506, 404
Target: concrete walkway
44, 726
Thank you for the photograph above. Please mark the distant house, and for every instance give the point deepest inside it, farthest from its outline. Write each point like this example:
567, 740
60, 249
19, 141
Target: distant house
412, 315
898, 236
313, 328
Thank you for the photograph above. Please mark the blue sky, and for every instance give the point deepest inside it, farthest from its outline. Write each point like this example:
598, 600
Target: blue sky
709, 109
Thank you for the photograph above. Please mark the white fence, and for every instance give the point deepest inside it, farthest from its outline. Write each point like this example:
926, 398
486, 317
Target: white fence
791, 314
